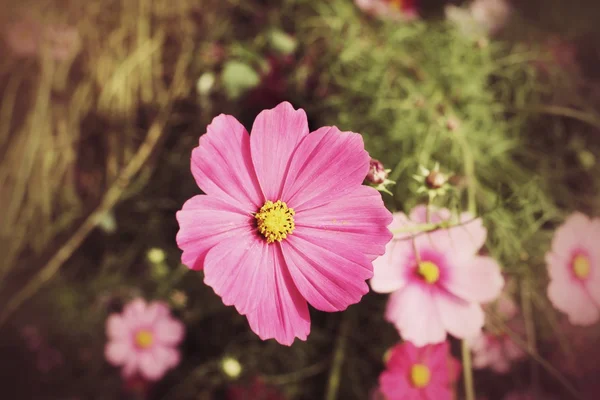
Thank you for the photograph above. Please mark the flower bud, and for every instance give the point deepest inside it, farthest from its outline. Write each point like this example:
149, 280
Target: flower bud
377, 173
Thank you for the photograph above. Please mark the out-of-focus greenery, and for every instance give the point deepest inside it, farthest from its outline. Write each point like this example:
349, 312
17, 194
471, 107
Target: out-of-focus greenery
519, 141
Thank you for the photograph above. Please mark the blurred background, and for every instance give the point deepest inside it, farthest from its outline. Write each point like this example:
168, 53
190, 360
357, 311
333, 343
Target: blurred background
102, 101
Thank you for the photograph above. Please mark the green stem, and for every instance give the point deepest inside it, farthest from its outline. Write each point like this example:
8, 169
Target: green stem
467, 371
333, 383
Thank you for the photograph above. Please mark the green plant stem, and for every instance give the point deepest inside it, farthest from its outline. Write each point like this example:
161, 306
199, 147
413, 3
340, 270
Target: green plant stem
467, 371
333, 382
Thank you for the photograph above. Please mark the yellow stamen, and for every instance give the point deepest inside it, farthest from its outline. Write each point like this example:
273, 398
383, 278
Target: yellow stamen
275, 220
581, 266
144, 339
429, 271
420, 375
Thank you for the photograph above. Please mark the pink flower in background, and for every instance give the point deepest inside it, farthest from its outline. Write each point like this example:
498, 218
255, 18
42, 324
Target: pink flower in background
495, 351
143, 339
392, 9
414, 373
491, 14
437, 280
574, 269
27, 37
285, 219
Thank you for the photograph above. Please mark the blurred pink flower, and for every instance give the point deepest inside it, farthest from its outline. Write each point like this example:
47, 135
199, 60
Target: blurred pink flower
438, 290
257, 390
390, 9
143, 339
495, 351
417, 373
27, 37
285, 219
574, 269
492, 15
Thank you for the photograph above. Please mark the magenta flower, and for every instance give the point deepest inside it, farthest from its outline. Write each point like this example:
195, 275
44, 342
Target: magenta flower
390, 9
285, 219
437, 279
143, 339
574, 268
419, 373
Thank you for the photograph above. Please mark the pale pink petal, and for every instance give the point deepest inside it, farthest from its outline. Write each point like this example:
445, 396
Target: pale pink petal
327, 165
400, 225
116, 327
461, 319
155, 311
134, 310
570, 234
412, 310
169, 331
117, 352
222, 165
359, 220
166, 356
573, 300
468, 237
283, 313
204, 222
275, 136
329, 278
238, 269
479, 281
151, 367
389, 270
419, 214
131, 366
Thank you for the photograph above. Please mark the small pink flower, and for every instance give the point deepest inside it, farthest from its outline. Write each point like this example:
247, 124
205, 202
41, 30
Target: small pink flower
285, 219
439, 288
143, 339
390, 9
496, 351
574, 268
492, 15
417, 373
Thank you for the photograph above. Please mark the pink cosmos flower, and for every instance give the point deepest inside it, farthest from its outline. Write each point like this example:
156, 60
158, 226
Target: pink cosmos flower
437, 280
390, 9
574, 268
415, 373
285, 219
143, 339
495, 351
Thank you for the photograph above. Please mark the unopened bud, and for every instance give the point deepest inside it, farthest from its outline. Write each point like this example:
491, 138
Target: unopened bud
452, 124
435, 180
231, 367
377, 173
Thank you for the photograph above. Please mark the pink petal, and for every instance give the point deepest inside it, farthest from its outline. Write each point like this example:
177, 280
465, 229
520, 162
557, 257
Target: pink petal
166, 356
479, 281
131, 366
134, 311
461, 319
389, 270
469, 236
327, 165
283, 313
572, 299
435, 391
222, 165
400, 222
155, 311
419, 214
403, 356
329, 277
412, 310
395, 386
205, 221
151, 367
116, 327
359, 219
275, 136
570, 234
169, 331
238, 269
117, 352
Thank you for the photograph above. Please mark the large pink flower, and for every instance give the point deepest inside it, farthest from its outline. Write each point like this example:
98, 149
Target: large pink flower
415, 373
574, 269
143, 339
285, 219
437, 280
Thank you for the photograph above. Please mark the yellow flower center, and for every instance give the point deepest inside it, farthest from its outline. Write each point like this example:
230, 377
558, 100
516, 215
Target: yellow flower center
144, 339
428, 271
275, 221
581, 266
420, 375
